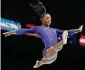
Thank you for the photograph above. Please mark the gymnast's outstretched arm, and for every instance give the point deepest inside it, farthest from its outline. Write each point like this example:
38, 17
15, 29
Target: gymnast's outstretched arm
71, 31
29, 32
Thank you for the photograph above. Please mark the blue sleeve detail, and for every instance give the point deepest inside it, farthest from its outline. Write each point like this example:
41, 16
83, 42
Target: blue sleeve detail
71, 32
24, 30
59, 32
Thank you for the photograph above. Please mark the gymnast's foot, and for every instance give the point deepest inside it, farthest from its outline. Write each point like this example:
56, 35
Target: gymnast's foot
37, 64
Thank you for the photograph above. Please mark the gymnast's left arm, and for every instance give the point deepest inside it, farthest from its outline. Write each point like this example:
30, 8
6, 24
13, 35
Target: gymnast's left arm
70, 31
74, 31
79, 29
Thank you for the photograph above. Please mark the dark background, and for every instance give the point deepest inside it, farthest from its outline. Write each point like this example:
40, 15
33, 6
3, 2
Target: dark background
21, 52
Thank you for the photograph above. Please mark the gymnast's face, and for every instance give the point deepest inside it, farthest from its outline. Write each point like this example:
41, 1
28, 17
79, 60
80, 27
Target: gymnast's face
46, 20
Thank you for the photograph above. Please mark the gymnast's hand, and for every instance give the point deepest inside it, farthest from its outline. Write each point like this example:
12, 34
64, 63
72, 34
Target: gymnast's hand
80, 28
9, 33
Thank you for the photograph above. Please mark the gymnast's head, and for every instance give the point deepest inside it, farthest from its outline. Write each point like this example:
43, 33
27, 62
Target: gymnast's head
46, 19
40, 9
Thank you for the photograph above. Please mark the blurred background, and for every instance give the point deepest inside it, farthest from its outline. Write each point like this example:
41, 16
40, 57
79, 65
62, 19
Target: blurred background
21, 52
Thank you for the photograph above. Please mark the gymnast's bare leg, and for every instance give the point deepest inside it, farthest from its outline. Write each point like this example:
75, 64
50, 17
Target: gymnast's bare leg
50, 54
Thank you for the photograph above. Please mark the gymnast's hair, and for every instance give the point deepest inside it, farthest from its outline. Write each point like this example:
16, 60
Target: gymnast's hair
40, 9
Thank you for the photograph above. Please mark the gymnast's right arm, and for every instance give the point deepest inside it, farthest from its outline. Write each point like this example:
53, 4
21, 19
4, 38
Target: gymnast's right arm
20, 32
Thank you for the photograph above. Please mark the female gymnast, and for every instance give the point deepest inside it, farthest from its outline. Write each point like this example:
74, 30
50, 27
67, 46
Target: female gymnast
49, 37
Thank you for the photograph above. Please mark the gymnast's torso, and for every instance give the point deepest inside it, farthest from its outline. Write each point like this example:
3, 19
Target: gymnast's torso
47, 34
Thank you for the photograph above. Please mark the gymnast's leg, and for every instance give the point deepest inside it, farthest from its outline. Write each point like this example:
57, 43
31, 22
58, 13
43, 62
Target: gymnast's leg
50, 54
